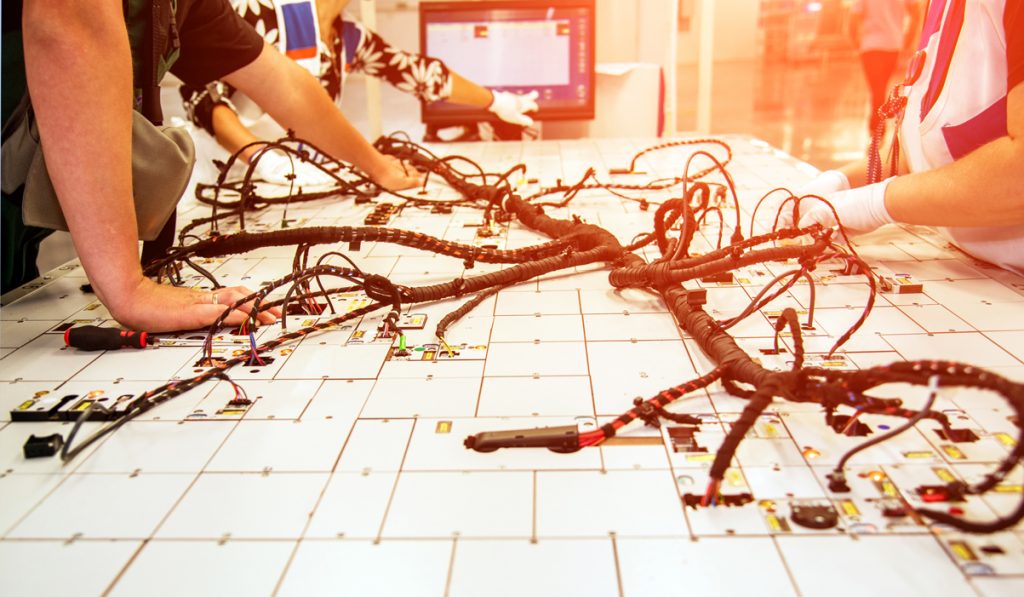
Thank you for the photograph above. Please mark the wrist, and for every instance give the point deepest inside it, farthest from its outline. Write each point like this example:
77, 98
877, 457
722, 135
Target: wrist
881, 199
836, 179
121, 296
378, 166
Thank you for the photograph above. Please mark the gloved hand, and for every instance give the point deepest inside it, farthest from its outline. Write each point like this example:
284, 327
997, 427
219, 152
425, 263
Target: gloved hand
512, 107
829, 181
860, 210
275, 167
822, 185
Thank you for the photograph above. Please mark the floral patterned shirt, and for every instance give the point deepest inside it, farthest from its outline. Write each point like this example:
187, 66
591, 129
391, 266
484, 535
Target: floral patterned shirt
353, 48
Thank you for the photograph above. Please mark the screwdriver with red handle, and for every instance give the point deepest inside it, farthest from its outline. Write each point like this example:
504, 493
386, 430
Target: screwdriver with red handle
92, 337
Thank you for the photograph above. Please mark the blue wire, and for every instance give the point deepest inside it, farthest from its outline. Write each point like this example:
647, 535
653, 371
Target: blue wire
252, 342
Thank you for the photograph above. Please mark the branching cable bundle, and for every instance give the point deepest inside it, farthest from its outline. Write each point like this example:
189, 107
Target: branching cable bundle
575, 243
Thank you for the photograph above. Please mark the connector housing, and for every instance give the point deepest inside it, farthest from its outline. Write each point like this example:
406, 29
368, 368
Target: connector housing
563, 439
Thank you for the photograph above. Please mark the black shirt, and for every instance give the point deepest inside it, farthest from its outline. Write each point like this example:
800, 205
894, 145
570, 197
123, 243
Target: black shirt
215, 41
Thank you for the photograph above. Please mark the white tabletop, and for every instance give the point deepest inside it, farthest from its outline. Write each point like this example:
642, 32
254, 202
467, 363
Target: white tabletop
348, 474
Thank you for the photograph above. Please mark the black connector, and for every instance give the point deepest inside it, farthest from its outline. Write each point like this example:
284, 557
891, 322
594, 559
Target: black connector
958, 436
728, 500
837, 483
696, 297
41, 447
563, 440
815, 515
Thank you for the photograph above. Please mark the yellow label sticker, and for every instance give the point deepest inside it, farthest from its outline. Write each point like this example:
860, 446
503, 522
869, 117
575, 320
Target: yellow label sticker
700, 457
888, 488
428, 355
443, 427
735, 478
775, 524
1006, 439
26, 404
944, 475
953, 452
850, 509
919, 455
962, 551
1008, 489
81, 406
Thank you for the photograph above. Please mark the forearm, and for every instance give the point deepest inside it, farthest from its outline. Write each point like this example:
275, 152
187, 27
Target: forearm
80, 50
469, 93
856, 172
298, 102
983, 188
231, 134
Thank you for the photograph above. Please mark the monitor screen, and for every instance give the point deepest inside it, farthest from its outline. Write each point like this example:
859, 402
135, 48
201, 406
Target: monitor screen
514, 45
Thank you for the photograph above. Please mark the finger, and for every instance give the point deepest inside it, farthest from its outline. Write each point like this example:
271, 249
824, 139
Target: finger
236, 317
415, 178
231, 296
818, 215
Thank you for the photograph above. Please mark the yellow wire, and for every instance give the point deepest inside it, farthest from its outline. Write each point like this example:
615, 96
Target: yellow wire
451, 353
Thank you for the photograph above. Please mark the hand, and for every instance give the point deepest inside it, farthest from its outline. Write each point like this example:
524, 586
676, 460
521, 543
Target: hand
822, 185
860, 210
277, 168
512, 107
156, 307
393, 174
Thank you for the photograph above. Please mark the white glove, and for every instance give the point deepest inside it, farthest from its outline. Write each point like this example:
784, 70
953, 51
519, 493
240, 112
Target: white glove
276, 167
829, 181
861, 210
512, 107
822, 185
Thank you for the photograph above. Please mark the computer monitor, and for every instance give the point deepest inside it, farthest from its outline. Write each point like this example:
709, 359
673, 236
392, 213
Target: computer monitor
520, 46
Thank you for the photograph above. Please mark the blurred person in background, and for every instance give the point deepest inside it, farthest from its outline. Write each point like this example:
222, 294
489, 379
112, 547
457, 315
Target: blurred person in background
880, 30
344, 45
960, 120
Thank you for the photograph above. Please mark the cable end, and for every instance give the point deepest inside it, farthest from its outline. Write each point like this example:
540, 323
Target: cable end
563, 439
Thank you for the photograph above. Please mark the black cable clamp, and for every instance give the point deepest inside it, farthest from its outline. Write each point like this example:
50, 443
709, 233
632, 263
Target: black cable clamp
646, 412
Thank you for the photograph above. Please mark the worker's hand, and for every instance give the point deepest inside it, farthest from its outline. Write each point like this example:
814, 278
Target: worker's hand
512, 107
393, 174
860, 210
153, 307
822, 185
277, 168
